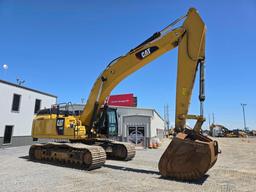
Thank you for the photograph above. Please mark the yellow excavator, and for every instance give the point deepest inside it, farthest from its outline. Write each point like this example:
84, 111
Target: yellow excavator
84, 138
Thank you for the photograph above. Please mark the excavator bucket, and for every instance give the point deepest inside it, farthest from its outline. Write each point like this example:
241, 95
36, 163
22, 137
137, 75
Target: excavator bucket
188, 157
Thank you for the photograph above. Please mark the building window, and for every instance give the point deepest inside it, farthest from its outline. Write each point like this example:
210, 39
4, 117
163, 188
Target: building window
8, 134
37, 105
16, 102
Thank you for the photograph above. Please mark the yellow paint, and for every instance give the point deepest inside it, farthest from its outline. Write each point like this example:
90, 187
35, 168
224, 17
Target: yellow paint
44, 126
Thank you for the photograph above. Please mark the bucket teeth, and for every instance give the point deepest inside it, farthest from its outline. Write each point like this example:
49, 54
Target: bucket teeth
187, 159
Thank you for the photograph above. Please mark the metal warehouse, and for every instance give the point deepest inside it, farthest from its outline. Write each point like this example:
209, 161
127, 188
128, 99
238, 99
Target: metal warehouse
139, 125
18, 106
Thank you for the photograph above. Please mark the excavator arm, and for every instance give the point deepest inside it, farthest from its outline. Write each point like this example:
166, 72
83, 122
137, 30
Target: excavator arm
191, 53
190, 38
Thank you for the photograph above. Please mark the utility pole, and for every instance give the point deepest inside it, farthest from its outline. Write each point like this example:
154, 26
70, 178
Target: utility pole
213, 120
243, 105
167, 114
209, 120
166, 117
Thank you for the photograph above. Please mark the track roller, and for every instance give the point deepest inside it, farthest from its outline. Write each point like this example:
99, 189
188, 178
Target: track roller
73, 154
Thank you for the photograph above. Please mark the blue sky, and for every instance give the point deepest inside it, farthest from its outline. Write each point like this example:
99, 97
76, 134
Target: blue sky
60, 47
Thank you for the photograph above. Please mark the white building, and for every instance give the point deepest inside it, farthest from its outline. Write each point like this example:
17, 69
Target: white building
139, 125
18, 106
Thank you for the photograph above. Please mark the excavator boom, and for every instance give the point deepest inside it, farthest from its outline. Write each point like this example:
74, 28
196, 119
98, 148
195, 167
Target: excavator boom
190, 39
123, 66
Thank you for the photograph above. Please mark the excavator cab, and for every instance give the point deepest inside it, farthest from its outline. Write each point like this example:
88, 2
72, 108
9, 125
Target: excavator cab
107, 124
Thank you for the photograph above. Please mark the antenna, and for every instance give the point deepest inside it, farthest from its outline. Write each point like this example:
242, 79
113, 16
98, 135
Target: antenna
19, 81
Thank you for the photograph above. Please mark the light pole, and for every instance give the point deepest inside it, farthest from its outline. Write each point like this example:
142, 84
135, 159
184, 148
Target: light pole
243, 105
213, 118
209, 120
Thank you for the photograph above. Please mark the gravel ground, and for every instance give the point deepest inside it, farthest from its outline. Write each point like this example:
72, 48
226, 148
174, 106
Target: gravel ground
235, 170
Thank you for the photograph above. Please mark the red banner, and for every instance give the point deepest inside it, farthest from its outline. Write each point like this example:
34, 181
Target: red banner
127, 100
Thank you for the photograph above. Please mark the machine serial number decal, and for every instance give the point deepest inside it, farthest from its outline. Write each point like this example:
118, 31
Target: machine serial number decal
146, 52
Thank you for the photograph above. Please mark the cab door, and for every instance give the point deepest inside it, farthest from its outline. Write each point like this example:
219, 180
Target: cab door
112, 123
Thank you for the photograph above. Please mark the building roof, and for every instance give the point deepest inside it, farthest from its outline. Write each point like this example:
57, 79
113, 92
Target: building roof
138, 108
26, 88
81, 106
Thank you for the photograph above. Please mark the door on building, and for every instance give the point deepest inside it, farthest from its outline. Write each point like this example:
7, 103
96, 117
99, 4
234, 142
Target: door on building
137, 135
8, 134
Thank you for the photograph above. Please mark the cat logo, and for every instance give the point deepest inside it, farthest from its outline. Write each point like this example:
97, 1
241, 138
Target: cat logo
60, 122
146, 52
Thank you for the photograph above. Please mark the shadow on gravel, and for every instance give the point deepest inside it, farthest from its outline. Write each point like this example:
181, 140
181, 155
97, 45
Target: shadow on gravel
197, 182
131, 169
24, 157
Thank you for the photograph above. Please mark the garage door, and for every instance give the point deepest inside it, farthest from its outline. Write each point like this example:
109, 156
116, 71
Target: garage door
136, 135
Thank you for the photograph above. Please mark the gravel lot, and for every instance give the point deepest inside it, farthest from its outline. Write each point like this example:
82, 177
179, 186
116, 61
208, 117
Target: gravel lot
235, 170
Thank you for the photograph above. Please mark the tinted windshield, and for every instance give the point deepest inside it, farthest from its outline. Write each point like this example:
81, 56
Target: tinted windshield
112, 123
